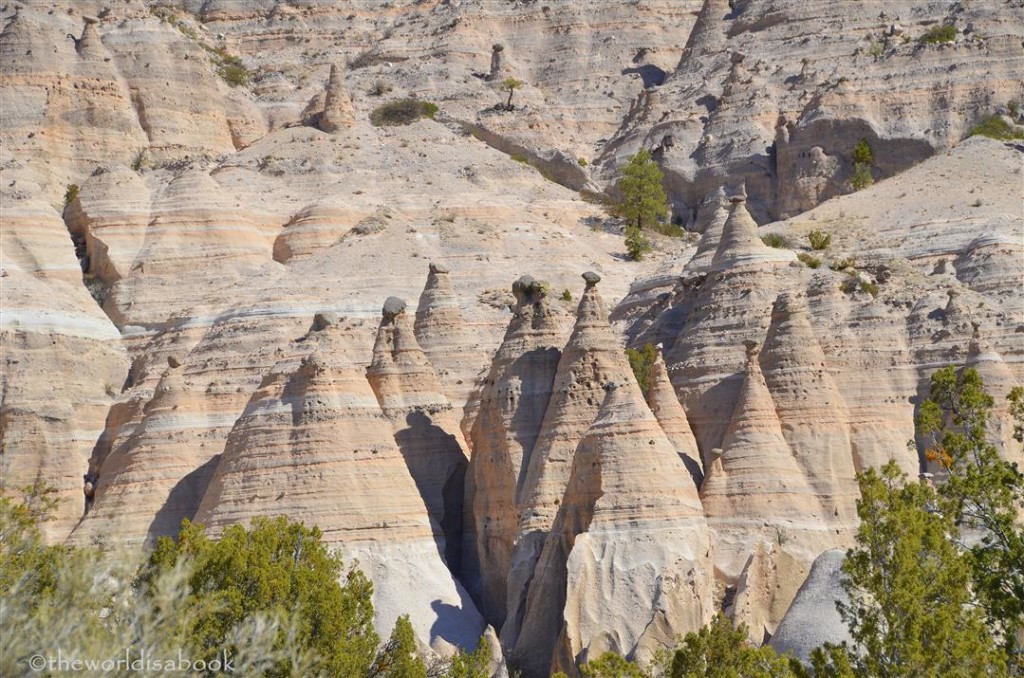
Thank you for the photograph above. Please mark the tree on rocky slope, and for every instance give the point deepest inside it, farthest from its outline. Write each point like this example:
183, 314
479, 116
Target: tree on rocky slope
910, 611
984, 495
936, 580
643, 203
719, 649
275, 566
510, 85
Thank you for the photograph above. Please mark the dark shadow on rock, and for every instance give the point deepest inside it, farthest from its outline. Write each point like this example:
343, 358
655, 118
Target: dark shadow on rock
536, 372
183, 501
696, 472
438, 465
709, 102
451, 625
651, 75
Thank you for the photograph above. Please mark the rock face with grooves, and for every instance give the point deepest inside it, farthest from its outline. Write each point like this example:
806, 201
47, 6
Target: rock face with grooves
661, 398
756, 478
629, 528
592, 357
812, 619
338, 113
513, 400
706, 360
711, 218
740, 245
456, 348
314, 443
812, 411
426, 427
155, 480
767, 521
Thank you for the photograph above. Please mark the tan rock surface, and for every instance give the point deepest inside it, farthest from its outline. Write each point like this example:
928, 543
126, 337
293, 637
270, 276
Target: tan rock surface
457, 348
313, 443
426, 427
662, 400
810, 408
630, 528
592, 357
513, 400
238, 220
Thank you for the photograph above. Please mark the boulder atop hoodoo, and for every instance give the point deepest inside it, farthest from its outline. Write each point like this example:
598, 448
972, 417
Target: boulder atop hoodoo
629, 522
426, 427
313, 443
513, 400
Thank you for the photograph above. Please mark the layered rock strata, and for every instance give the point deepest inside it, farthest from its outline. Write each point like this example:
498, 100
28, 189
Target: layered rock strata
629, 528
426, 427
592, 357
662, 400
706, 359
811, 410
314, 443
456, 346
513, 400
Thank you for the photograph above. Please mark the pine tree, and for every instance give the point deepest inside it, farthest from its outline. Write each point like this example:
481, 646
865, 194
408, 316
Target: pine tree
643, 201
910, 611
984, 494
276, 566
398, 658
720, 651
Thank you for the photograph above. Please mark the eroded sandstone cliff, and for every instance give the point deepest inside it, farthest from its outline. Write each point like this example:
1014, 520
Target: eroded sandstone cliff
200, 223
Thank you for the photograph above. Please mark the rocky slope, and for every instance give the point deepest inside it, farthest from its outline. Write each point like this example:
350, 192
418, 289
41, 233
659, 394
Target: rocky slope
200, 225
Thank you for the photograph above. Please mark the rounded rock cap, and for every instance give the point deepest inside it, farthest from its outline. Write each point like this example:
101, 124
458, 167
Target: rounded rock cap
438, 268
393, 306
591, 278
324, 319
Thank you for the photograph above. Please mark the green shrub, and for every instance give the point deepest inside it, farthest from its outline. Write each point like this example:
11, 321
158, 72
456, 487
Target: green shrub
863, 159
566, 295
869, 287
402, 112
810, 261
862, 153
1014, 108
994, 127
637, 244
938, 34
70, 194
819, 240
862, 177
233, 75
582, 161
642, 361
848, 286
843, 264
380, 88
774, 240
137, 161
